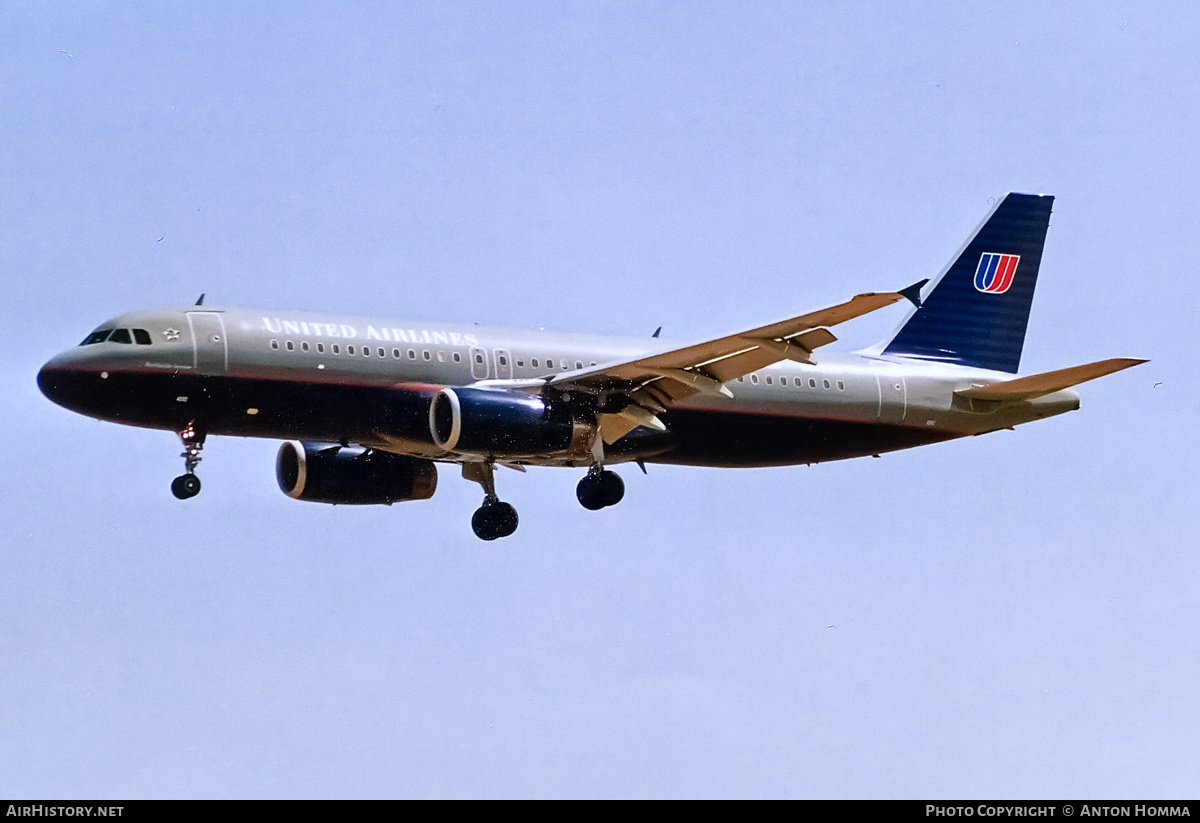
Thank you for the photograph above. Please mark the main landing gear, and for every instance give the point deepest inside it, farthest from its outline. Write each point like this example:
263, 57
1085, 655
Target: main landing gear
600, 488
188, 485
495, 518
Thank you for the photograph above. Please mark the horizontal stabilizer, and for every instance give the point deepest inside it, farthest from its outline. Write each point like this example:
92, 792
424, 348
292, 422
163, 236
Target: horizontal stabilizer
1028, 388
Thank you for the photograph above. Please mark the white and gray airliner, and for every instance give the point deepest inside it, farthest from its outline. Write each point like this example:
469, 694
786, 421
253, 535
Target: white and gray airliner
368, 407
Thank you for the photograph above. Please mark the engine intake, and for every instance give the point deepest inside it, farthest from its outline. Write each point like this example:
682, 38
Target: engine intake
503, 424
352, 475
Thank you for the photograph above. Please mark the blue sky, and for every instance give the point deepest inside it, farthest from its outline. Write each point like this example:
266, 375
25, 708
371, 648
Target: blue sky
1012, 616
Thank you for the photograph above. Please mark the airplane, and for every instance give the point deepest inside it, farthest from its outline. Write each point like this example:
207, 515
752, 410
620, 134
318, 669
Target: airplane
368, 407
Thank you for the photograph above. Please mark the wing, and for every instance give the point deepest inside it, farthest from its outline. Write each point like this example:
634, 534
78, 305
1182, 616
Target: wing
633, 392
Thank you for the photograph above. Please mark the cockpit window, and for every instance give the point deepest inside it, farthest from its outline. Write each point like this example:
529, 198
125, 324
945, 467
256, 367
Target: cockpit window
118, 336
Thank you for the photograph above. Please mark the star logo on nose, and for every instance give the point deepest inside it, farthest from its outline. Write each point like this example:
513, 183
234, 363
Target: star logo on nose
171, 334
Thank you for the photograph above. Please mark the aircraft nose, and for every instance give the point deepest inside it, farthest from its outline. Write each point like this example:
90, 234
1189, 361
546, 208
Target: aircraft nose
60, 381
50, 381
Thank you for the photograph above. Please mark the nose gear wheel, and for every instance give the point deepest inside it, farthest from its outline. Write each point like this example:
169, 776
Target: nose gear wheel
185, 486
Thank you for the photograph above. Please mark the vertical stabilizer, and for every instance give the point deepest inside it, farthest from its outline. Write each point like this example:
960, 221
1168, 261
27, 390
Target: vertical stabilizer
977, 309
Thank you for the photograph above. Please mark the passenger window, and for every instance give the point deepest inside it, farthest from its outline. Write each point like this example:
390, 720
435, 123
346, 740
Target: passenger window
754, 379
841, 386
441, 357
337, 349
291, 346
349, 350
478, 358
275, 345
142, 337
120, 336
534, 361
826, 382
457, 358
366, 351
412, 354
304, 345
579, 364
564, 365
396, 354
520, 363
382, 353
96, 337
503, 360
321, 348
812, 383
768, 380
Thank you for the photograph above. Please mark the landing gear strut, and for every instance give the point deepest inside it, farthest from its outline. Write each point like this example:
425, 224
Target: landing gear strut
600, 488
188, 484
495, 518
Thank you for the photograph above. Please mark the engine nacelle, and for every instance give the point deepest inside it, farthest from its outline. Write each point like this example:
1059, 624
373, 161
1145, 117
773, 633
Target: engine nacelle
504, 424
352, 475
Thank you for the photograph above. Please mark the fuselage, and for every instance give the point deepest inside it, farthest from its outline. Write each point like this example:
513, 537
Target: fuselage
286, 375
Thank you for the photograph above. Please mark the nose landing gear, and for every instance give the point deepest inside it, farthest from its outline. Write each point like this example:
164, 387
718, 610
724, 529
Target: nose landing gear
495, 518
188, 485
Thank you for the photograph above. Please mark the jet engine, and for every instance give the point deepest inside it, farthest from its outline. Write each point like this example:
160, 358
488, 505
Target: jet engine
352, 474
504, 424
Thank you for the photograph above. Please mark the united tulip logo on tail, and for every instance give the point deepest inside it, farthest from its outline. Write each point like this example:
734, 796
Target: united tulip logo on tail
995, 272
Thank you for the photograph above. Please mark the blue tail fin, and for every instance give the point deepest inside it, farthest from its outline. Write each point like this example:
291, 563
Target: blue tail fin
978, 308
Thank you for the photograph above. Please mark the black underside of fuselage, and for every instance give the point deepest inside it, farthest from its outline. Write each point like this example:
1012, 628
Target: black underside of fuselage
332, 412
243, 407
743, 439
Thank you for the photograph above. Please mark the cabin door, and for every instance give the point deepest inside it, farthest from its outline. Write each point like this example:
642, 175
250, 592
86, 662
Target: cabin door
210, 346
893, 398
